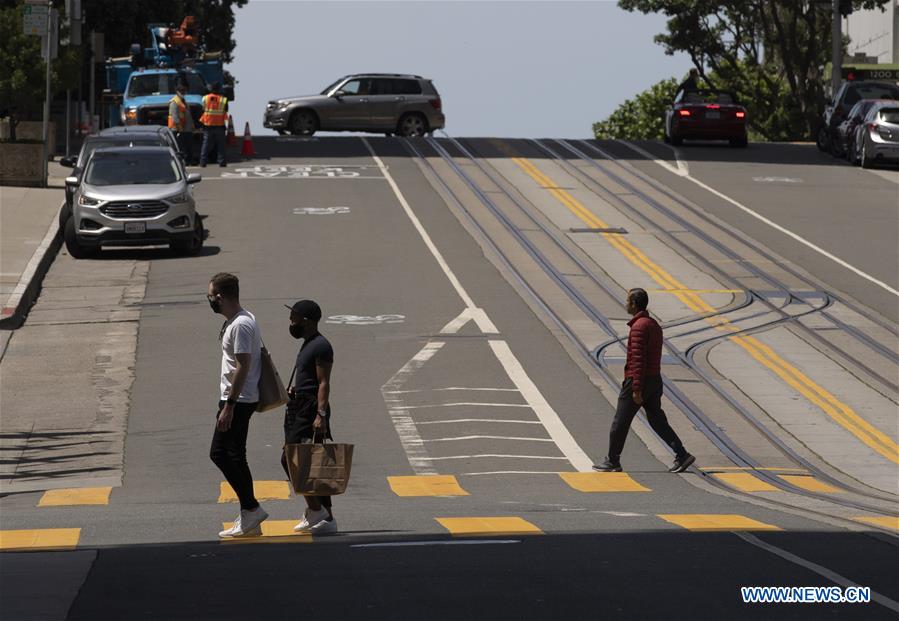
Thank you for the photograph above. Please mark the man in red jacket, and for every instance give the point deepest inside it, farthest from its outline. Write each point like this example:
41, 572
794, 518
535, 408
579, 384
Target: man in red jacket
642, 387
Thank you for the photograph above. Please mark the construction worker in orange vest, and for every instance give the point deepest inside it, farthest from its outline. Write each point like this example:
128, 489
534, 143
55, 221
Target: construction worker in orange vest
182, 123
215, 115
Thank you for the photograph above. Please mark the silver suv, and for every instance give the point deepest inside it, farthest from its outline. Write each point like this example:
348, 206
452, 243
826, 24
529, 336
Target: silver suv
407, 105
133, 196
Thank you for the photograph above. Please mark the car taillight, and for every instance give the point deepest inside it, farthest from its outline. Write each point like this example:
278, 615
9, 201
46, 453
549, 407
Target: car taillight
872, 127
436, 104
741, 114
684, 112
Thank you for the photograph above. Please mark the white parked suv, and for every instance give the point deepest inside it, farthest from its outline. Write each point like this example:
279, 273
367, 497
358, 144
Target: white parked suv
133, 196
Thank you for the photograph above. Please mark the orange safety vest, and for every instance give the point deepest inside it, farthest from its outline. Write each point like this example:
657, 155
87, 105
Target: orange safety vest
182, 110
214, 110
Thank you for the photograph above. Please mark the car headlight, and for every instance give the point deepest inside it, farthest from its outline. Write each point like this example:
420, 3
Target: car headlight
88, 201
178, 199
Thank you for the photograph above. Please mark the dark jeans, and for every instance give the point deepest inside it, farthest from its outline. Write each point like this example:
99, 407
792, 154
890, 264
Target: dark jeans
229, 453
301, 412
214, 134
627, 409
186, 144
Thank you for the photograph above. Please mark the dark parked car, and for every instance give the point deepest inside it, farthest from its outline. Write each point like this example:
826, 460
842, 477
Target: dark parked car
408, 105
849, 94
842, 139
706, 114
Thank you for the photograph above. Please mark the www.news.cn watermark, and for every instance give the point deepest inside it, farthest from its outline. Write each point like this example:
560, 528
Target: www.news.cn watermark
805, 595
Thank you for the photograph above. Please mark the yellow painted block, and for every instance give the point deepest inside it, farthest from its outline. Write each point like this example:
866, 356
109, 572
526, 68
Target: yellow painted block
745, 482
75, 496
278, 530
810, 483
602, 482
700, 522
41, 538
426, 485
474, 526
884, 521
264, 490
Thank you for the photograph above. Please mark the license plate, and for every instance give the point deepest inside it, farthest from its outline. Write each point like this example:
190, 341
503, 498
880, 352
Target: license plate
713, 115
135, 227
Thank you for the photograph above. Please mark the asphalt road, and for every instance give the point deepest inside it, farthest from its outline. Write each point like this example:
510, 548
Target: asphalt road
502, 410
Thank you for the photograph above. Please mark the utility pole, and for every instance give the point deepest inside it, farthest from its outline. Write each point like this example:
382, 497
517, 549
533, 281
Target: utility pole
46, 135
836, 75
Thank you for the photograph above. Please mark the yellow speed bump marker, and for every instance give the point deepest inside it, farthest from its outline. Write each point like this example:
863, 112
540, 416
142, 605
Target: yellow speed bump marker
745, 482
705, 522
602, 482
75, 496
263, 490
810, 483
273, 531
39, 539
426, 485
479, 526
884, 521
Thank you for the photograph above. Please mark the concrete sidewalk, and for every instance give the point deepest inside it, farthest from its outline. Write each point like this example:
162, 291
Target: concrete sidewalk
29, 240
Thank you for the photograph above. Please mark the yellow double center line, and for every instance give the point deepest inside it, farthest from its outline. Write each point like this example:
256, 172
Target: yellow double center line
833, 407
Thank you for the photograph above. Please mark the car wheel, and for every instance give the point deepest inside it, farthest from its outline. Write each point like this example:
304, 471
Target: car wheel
282, 132
863, 158
676, 140
739, 142
835, 147
65, 212
412, 124
303, 123
75, 250
193, 246
822, 139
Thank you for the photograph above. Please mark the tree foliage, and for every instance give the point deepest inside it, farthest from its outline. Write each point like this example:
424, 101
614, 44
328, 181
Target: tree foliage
770, 52
640, 118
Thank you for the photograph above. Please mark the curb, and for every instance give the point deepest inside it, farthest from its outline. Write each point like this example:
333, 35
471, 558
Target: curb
16, 308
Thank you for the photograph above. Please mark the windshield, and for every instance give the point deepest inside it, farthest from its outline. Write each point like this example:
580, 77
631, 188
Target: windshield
331, 87
145, 140
138, 169
890, 115
164, 84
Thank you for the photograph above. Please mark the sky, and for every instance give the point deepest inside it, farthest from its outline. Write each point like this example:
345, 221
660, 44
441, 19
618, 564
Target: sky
503, 68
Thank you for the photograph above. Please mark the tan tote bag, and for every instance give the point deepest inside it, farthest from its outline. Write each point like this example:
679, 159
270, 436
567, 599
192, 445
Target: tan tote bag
319, 469
271, 389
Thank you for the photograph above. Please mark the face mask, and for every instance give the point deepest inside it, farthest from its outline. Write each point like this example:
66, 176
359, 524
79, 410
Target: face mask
215, 304
296, 330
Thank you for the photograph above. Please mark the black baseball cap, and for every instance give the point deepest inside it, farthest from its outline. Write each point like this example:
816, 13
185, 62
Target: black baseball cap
306, 309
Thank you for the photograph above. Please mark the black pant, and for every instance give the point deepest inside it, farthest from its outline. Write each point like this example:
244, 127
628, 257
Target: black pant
186, 144
229, 453
301, 412
213, 136
627, 409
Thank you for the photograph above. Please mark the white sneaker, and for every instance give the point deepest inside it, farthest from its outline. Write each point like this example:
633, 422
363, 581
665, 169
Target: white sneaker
235, 532
250, 520
325, 527
310, 519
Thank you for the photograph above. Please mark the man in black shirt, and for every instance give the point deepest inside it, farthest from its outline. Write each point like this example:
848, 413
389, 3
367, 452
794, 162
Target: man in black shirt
308, 410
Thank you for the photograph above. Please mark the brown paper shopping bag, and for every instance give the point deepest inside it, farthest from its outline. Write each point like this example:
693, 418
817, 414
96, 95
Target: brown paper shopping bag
319, 469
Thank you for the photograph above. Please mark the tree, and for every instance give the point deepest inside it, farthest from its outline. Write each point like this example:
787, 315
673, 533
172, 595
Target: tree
770, 52
642, 118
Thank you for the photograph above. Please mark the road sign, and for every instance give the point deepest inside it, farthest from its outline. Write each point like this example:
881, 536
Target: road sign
54, 35
34, 19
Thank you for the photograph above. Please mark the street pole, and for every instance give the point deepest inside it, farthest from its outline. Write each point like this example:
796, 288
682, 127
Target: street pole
836, 75
46, 148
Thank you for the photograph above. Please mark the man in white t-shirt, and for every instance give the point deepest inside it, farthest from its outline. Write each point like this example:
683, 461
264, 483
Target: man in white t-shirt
241, 364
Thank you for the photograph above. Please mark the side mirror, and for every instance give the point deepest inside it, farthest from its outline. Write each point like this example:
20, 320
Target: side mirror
338, 95
67, 161
194, 178
72, 181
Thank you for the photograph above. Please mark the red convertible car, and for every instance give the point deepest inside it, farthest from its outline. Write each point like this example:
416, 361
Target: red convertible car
706, 114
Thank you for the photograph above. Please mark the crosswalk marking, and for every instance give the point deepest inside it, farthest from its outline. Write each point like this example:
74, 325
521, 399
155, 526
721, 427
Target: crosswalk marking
745, 482
810, 483
474, 526
263, 490
75, 496
426, 485
602, 482
280, 531
40, 538
884, 521
699, 522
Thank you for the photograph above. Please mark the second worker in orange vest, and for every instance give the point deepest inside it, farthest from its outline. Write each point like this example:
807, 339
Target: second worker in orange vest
215, 114
182, 123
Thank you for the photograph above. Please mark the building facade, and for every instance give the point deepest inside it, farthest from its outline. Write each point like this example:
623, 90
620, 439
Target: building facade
874, 33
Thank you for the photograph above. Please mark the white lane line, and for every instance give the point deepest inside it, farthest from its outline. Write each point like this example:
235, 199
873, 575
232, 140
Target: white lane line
405, 426
480, 420
551, 421
476, 474
477, 314
456, 438
770, 223
455, 542
818, 569
490, 455
681, 170
455, 388
624, 513
464, 403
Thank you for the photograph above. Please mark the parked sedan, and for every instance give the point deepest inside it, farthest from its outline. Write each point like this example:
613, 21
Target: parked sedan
408, 105
133, 196
706, 115
877, 137
843, 138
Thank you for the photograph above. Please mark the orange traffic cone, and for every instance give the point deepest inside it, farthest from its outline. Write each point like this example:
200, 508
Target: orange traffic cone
232, 139
247, 148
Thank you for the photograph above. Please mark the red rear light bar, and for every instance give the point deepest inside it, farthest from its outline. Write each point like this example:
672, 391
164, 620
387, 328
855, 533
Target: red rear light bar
684, 112
436, 103
741, 114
